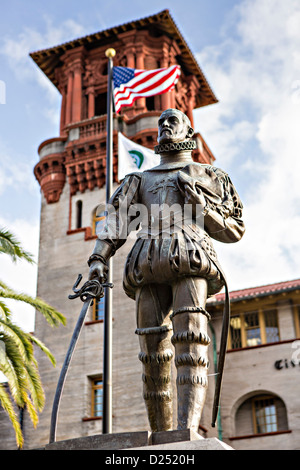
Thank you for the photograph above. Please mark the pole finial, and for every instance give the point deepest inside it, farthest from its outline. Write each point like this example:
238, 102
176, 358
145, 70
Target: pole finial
110, 53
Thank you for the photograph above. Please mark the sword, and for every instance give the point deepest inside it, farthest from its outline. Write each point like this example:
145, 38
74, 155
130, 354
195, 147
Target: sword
222, 354
91, 290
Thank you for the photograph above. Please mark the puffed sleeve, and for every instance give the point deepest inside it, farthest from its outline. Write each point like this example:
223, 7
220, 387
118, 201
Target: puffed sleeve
117, 223
223, 210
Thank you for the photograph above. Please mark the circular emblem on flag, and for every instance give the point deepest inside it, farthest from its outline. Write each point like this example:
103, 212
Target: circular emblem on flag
137, 156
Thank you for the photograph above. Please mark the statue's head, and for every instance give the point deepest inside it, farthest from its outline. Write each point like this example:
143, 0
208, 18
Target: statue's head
173, 127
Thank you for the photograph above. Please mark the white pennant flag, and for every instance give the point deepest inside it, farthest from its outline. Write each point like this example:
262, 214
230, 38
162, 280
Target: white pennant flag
134, 157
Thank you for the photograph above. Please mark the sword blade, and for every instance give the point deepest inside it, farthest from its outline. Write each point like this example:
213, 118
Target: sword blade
65, 367
222, 354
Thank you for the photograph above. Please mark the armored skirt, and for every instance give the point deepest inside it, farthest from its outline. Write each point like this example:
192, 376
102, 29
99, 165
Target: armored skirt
164, 260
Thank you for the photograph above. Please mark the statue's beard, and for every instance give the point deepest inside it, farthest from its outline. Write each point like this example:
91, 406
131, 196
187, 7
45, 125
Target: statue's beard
175, 146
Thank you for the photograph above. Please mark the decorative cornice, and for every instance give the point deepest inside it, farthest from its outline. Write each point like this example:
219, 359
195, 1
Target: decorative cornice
49, 59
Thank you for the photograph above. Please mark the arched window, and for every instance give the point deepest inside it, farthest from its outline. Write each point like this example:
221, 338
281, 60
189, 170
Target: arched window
265, 417
78, 214
261, 414
98, 220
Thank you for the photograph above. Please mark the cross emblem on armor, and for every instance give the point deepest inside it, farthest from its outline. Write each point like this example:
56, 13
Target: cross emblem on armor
164, 184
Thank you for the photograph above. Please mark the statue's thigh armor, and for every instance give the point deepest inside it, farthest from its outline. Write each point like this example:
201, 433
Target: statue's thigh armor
191, 341
154, 329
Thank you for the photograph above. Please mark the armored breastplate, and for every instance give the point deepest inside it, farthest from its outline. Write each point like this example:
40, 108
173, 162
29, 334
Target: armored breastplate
160, 187
163, 203
164, 209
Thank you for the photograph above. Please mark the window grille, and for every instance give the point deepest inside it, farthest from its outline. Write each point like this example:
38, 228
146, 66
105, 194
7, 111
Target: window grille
265, 415
271, 326
254, 328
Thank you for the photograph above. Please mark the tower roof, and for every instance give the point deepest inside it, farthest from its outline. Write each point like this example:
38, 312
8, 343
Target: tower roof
49, 59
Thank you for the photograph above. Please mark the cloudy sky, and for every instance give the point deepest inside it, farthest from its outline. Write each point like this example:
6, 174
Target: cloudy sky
249, 51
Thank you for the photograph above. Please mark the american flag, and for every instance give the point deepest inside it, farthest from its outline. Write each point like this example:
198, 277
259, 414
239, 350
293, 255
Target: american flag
131, 84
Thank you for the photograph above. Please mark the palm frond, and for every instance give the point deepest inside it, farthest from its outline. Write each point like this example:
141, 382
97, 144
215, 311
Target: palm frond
20, 338
52, 316
31, 410
23, 379
12, 366
17, 360
34, 386
44, 348
5, 312
7, 405
11, 246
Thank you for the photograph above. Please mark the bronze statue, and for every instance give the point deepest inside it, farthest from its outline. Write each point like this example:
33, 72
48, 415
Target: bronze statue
172, 267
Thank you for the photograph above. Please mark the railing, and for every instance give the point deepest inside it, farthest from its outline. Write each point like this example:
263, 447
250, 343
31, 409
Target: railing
95, 126
92, 127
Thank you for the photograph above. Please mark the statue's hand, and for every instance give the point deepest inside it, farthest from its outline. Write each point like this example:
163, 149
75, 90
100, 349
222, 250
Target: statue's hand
191, 191
98, 270
195, 196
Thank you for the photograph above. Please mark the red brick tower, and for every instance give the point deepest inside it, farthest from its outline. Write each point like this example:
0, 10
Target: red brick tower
79, 70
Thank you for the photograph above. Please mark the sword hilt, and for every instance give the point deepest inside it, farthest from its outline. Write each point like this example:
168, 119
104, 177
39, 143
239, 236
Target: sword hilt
92, 289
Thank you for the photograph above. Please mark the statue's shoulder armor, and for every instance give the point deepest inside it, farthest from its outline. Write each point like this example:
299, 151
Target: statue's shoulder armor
209, 169
134, 173
205, 166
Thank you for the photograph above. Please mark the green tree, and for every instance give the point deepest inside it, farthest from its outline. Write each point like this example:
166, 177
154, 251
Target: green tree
17, 360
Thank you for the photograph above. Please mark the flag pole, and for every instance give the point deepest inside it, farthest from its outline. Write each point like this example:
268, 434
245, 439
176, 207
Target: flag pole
107, 346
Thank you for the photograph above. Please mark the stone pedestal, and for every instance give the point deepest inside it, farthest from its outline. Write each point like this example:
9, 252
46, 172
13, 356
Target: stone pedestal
184, 440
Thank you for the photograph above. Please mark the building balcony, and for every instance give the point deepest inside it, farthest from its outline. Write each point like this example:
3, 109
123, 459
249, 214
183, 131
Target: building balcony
87, 129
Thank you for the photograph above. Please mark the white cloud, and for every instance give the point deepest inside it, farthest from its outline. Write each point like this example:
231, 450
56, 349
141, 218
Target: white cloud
15, 170
29, 40
21, 276
256, 76
17, 49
